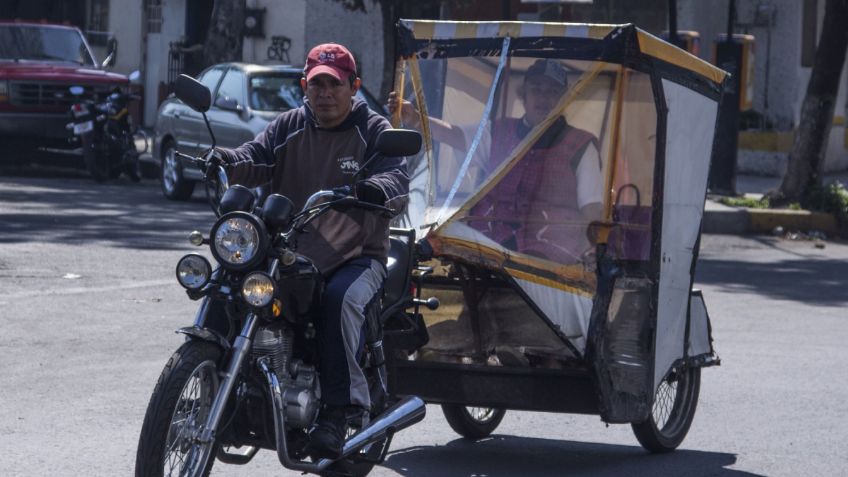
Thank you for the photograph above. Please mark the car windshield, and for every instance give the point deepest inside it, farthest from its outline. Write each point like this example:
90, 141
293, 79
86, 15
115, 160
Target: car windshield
43, 43
281, 91
275, 92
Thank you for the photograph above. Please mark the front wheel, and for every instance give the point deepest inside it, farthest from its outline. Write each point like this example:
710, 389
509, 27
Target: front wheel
672, 413
473, 422
178, 408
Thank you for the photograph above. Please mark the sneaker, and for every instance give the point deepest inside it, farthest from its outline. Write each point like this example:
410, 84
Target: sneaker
327, 438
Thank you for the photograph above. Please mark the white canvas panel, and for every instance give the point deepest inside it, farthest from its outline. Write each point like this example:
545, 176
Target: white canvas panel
568, 311
699, 331
690, 127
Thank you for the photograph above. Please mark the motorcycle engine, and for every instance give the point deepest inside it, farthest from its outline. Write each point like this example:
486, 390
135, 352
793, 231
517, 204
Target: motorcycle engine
298, 381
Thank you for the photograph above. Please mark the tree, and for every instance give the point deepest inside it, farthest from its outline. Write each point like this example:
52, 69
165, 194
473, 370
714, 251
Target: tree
806, 161
224, 40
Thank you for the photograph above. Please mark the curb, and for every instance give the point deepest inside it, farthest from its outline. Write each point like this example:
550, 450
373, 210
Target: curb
721, 219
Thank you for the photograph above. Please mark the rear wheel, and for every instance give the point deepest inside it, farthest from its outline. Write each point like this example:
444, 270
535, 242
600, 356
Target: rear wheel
671, 415
473, 422
174, 185
178, 408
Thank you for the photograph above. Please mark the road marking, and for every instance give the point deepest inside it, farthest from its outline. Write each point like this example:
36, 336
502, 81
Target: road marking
82, 290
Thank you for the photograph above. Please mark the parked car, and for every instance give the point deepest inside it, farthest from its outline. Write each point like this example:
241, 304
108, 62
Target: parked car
39, 63
246, 98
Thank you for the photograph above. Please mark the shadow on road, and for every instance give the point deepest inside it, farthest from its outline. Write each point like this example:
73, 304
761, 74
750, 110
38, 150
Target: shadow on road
502, 456
65, 206
803, 280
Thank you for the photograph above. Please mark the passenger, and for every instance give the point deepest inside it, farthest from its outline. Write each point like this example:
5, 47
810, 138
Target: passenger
543, 204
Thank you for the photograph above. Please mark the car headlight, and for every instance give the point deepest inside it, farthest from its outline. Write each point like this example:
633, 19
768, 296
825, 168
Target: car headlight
239, 240
258, 289
193, 271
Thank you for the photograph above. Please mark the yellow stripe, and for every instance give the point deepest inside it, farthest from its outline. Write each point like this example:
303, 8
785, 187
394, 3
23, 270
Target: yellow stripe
511, 29
466, 30
418, 88
553, 29
496, 259
400, 81
423, 30
653, 46
839, 120
600, 31
548, 283
616, 141
426, 29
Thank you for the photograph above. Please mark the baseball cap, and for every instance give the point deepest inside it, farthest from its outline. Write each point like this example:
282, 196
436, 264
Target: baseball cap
332, 59
549, 68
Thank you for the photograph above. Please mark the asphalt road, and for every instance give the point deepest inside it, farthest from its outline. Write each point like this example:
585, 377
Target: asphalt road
89, 302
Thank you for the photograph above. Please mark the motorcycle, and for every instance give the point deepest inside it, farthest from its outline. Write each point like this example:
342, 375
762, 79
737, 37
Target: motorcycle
106, 134
251, 382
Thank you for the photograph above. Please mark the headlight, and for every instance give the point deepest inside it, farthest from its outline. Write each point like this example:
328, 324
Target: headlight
258, 289
238, 240
193, 271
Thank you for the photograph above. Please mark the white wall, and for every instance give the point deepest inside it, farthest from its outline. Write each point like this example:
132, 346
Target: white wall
282, 18
787, 79
125, 18
361, 33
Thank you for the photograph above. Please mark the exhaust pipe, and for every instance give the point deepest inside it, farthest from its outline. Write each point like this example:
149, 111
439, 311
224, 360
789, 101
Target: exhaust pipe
406, 412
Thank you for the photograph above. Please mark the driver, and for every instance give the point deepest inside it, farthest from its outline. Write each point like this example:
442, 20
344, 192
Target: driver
320, 146
543, 204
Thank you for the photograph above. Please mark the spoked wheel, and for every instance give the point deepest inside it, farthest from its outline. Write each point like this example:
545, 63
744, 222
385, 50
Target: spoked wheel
672, 412
178, 408
473, 422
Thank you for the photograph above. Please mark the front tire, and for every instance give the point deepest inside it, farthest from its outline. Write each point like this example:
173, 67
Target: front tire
174, 185
473, 422
180, 404
672, 412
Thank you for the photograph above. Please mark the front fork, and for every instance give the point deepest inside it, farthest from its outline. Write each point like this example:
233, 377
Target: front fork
240, 351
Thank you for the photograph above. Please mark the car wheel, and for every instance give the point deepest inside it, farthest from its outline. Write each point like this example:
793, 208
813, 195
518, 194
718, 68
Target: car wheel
174, 185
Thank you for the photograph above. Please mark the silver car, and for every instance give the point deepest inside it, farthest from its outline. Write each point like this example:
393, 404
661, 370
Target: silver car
246, 98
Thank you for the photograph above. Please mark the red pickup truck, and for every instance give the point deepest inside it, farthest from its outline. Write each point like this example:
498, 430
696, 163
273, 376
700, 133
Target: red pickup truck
38, 64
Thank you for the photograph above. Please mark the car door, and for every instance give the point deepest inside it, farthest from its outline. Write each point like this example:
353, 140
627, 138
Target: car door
228, 115
190, 130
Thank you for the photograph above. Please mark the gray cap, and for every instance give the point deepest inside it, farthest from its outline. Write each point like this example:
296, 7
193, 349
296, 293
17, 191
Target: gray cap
549, 68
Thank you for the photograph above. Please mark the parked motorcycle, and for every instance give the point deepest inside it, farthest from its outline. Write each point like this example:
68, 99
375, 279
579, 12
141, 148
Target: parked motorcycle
106, 133
251, 382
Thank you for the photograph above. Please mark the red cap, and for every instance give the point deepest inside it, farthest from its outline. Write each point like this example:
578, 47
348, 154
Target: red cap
332, 59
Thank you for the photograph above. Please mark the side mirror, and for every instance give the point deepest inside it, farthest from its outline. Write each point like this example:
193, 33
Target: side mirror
228, 104
399, 142
135, 77
193, 93
77, 90
112, 53
109, 61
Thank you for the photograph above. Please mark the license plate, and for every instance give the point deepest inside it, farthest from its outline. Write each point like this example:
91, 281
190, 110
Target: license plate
84, 127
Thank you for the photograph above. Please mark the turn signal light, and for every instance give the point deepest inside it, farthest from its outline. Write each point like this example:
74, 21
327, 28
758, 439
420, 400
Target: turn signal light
277, 308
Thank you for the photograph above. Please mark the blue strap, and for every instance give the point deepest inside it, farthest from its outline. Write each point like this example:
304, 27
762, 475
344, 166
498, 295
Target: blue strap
479, 134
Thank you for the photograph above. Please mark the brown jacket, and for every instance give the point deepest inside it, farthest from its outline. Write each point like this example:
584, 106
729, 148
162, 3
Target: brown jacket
299, 158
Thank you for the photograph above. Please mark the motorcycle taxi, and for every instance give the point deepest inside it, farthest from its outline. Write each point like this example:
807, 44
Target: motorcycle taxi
542, 305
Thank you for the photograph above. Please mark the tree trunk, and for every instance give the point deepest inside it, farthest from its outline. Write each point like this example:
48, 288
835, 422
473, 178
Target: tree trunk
224, 40
806, 161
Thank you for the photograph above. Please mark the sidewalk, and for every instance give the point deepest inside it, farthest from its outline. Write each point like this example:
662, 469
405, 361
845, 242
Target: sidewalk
721, 219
